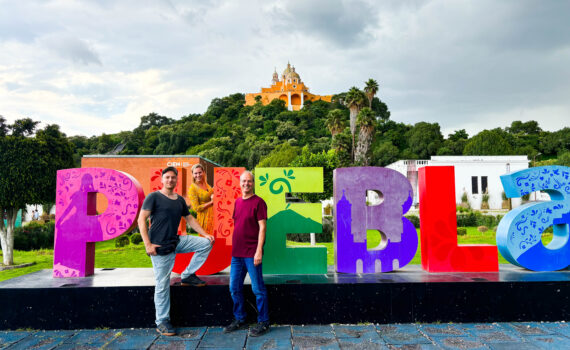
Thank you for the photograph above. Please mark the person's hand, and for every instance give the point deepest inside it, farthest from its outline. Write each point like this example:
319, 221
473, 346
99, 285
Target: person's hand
257, 258
151, 249
211, 238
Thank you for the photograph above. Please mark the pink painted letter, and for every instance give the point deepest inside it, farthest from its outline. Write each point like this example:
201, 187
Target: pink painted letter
78, 226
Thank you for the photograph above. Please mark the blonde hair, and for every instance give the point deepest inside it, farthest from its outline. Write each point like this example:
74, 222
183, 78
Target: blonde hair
194, 167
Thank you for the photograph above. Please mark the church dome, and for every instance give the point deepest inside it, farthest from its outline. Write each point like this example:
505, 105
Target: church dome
287, 70
290, 76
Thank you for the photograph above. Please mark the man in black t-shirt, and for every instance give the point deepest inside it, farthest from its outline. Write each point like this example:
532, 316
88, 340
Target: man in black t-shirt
165, 208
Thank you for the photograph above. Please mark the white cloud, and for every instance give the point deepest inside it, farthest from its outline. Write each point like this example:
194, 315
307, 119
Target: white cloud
96, 67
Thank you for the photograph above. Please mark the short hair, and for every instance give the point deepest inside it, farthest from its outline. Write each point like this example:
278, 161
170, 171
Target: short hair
250, 174
170, 168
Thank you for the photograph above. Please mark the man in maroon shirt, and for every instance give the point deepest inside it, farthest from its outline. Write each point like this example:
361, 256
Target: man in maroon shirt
250, 219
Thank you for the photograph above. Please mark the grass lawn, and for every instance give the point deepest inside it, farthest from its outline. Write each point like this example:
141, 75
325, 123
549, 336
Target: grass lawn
472, 237
106, 255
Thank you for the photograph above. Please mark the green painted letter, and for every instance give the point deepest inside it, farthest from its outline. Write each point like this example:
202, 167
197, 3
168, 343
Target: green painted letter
272, 184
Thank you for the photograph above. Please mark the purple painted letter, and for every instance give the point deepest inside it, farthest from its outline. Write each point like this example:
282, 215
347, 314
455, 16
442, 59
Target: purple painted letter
78, 226
353, 217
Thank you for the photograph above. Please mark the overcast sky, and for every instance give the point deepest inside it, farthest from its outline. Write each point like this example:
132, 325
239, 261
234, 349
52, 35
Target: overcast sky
98, 66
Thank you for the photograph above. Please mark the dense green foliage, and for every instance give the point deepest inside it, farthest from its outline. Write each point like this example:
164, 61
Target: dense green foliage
34, 236
28, 172
232, 134
122, 241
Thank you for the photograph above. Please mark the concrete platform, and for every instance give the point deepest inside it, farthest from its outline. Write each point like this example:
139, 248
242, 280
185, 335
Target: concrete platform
121, 298
520, 336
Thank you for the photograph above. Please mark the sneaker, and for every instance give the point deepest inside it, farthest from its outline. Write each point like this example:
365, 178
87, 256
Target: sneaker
165, 328
192, 280
260, 329
235, 325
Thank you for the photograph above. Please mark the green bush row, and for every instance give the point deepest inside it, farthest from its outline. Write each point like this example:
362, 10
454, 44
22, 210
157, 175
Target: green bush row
37, 235
34, 236
475, 218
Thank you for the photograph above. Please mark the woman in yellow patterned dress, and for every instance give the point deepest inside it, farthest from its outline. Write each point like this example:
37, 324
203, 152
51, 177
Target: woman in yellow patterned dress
200, 195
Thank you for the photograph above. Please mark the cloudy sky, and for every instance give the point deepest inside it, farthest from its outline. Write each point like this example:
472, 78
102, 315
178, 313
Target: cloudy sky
98, 66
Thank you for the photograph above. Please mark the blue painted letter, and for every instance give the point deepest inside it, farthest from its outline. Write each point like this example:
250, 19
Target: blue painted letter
519, 232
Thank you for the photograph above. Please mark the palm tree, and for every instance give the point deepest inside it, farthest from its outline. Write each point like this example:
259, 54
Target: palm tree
366, 121
354, 100
335, 122
371, 89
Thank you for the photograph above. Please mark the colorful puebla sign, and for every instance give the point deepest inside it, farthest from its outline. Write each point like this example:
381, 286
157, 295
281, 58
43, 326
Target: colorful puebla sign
78, 226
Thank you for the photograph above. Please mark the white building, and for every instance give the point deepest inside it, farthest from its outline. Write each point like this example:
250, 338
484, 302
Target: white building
474, 175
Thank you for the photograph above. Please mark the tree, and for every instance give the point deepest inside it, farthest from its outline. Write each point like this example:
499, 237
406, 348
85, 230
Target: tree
366, 121
424, 139
528, 128
327, 160
385, 154
3, 127
454, 144
153, 119
335, 122
56, 152
458, 135
281, 156
564, 159
371, 89
555, 142
23, 127
488, 142
341, 143
354, 100
28, 173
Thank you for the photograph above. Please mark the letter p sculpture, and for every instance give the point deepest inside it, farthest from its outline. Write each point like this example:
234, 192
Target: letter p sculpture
78, 225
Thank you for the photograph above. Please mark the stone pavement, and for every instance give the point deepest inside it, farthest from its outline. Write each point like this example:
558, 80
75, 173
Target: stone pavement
519, 336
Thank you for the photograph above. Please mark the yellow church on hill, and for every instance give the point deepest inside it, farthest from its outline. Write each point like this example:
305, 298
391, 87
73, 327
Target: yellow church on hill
289, 89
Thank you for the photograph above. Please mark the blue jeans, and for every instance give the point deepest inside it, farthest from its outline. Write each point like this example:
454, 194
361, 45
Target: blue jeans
162, 266
241, 266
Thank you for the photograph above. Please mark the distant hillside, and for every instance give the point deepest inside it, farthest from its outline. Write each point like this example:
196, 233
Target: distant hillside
232, 134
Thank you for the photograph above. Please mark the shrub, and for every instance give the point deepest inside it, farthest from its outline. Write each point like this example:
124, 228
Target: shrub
461, 231
136, 238
122, 241
463, 209
35, 235
482, 228
414, 219
469, 219
485, 201
472, 218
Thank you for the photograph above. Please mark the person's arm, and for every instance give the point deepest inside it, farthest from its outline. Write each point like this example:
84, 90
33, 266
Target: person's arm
149, 247
260, 242
196, 226
195, 201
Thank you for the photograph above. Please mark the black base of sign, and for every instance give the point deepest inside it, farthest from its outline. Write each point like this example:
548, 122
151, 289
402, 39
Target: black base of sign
123, 298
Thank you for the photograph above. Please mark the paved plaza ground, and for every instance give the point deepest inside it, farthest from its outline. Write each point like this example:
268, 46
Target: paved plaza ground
519, 336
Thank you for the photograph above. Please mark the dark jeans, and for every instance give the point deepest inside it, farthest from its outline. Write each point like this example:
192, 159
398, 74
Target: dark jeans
241, 266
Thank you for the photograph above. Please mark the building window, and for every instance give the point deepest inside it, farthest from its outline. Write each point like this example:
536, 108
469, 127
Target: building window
474, 187
483, 184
